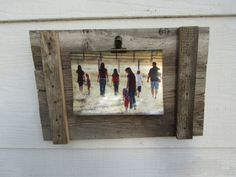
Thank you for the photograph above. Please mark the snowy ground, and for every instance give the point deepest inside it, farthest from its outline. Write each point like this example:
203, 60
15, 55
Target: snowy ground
94, 104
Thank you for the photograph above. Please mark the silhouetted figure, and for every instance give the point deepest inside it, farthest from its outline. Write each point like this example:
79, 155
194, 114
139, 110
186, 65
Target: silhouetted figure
154, 75
131, 86
126, 98
80, 78
139, 81
88, 82
115, 81
102, 78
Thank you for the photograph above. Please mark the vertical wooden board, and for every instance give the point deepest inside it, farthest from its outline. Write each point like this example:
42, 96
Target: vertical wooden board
66, 66
199, 101
187, 62
44, 115
39, 78
35, 48
51, 59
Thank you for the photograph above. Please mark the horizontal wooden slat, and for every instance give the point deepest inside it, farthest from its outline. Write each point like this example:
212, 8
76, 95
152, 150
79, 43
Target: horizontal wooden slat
144, 39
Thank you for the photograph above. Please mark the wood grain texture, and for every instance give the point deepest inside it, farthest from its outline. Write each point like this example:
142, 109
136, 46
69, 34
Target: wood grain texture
51, 59
85, 127
46, 122
101, 127
186, 79
199, 101
39, 77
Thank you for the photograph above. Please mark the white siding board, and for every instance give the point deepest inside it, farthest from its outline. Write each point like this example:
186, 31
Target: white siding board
44, 9
19, 117
23, 153
118, 163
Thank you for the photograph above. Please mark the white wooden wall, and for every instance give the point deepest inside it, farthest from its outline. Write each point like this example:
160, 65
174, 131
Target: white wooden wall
23, 152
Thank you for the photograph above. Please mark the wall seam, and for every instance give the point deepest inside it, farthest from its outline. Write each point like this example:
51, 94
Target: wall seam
113, 18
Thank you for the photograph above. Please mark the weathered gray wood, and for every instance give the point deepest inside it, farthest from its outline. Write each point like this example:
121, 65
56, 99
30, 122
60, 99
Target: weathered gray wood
109, 131
86, 127
44, 114
51, 59
187, 64
39, 77
198, 119
43, 108
90, 127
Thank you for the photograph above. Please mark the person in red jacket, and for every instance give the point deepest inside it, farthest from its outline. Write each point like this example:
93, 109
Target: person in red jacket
115, 80
126, 98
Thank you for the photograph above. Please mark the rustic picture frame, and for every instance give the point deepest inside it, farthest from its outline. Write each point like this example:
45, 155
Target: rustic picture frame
185, 52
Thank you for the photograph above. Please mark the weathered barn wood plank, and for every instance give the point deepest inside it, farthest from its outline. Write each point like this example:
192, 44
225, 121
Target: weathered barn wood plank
100, 132
38, 65
77, 41
39, 77
90, 127
103, 127
198, 115
51, 58
198, 118
84, 131
44, 114
187, 63
97, 40
141, 39
43, 107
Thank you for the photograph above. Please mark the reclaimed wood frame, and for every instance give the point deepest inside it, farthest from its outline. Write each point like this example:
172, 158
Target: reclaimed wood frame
185, 52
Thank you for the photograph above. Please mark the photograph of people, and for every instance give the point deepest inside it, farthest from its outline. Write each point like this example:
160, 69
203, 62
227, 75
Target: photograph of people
103, 97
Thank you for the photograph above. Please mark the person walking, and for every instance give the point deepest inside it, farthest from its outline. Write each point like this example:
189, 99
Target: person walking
139, 81
126, 98
80, 77
88, 82
102, 78
131, 86
154, 76
115, 81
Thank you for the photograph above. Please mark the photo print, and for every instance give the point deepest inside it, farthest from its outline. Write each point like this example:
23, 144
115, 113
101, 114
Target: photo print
117, 82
